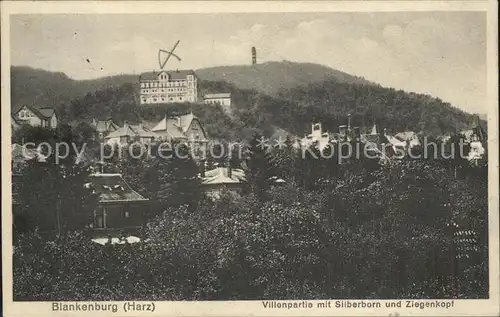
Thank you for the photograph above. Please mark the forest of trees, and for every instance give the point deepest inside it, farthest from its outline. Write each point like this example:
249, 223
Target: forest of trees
353, 230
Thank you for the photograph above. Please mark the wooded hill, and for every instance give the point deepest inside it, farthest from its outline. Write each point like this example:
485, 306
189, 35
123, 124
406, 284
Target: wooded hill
38, 86
292, 106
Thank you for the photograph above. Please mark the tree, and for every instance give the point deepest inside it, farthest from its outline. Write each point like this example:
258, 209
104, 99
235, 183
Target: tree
258, 171
54, 198
283, 159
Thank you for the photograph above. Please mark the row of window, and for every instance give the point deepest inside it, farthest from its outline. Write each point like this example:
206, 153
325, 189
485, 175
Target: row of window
165, 99
171, 95
214, 102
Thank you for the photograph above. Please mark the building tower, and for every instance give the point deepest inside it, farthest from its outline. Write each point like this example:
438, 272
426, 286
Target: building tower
254, 56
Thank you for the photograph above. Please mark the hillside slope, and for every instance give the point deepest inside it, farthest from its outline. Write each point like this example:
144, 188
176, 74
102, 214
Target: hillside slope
294, 110
395, 110
43, 88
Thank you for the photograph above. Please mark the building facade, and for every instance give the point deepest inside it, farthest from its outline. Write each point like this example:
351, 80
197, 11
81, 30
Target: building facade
185, 128
223, 99
168, 87
118, 207
221, 179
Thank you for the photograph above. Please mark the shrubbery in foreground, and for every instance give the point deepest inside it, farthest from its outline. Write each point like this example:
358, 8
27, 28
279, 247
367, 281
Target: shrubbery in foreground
382, 234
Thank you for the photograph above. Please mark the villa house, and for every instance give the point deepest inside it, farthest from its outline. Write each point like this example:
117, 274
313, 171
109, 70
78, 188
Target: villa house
104, 127
377, 144
219, 179
119, 207
478, 142
322, 139
43, 117
187, 128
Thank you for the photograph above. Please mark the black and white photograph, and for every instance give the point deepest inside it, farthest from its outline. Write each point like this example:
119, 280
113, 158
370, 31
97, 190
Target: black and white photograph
303, 161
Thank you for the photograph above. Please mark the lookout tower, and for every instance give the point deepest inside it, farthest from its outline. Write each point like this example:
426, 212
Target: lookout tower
254, 56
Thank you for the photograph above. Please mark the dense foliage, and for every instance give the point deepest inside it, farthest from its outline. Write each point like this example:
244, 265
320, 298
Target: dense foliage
51, 193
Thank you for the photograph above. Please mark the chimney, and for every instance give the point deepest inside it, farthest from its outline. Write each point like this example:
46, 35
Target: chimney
349, 122
179, 121
229, 171
94, 122
125, 124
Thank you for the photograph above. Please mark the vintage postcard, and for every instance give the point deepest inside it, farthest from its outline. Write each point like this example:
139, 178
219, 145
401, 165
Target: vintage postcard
250, 158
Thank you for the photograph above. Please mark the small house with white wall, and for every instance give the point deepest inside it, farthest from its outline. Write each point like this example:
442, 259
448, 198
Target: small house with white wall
223, 99
184, 128
43, 117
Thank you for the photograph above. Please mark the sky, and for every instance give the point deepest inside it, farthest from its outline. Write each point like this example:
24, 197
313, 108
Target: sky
437, 53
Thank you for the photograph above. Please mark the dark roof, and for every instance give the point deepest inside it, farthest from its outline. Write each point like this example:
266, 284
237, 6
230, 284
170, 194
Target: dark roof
176, 126
47, 112
15, 120
113, 188
132, 131
173, 75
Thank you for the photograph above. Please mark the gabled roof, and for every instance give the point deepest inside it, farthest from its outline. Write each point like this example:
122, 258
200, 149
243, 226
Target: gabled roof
15, 121
220, 175
173, 75
42, 113
132, 131
47, 112
112, 188
175, 126
105, 125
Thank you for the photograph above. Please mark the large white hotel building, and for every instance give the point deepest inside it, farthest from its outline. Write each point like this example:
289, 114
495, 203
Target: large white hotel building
169, 87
